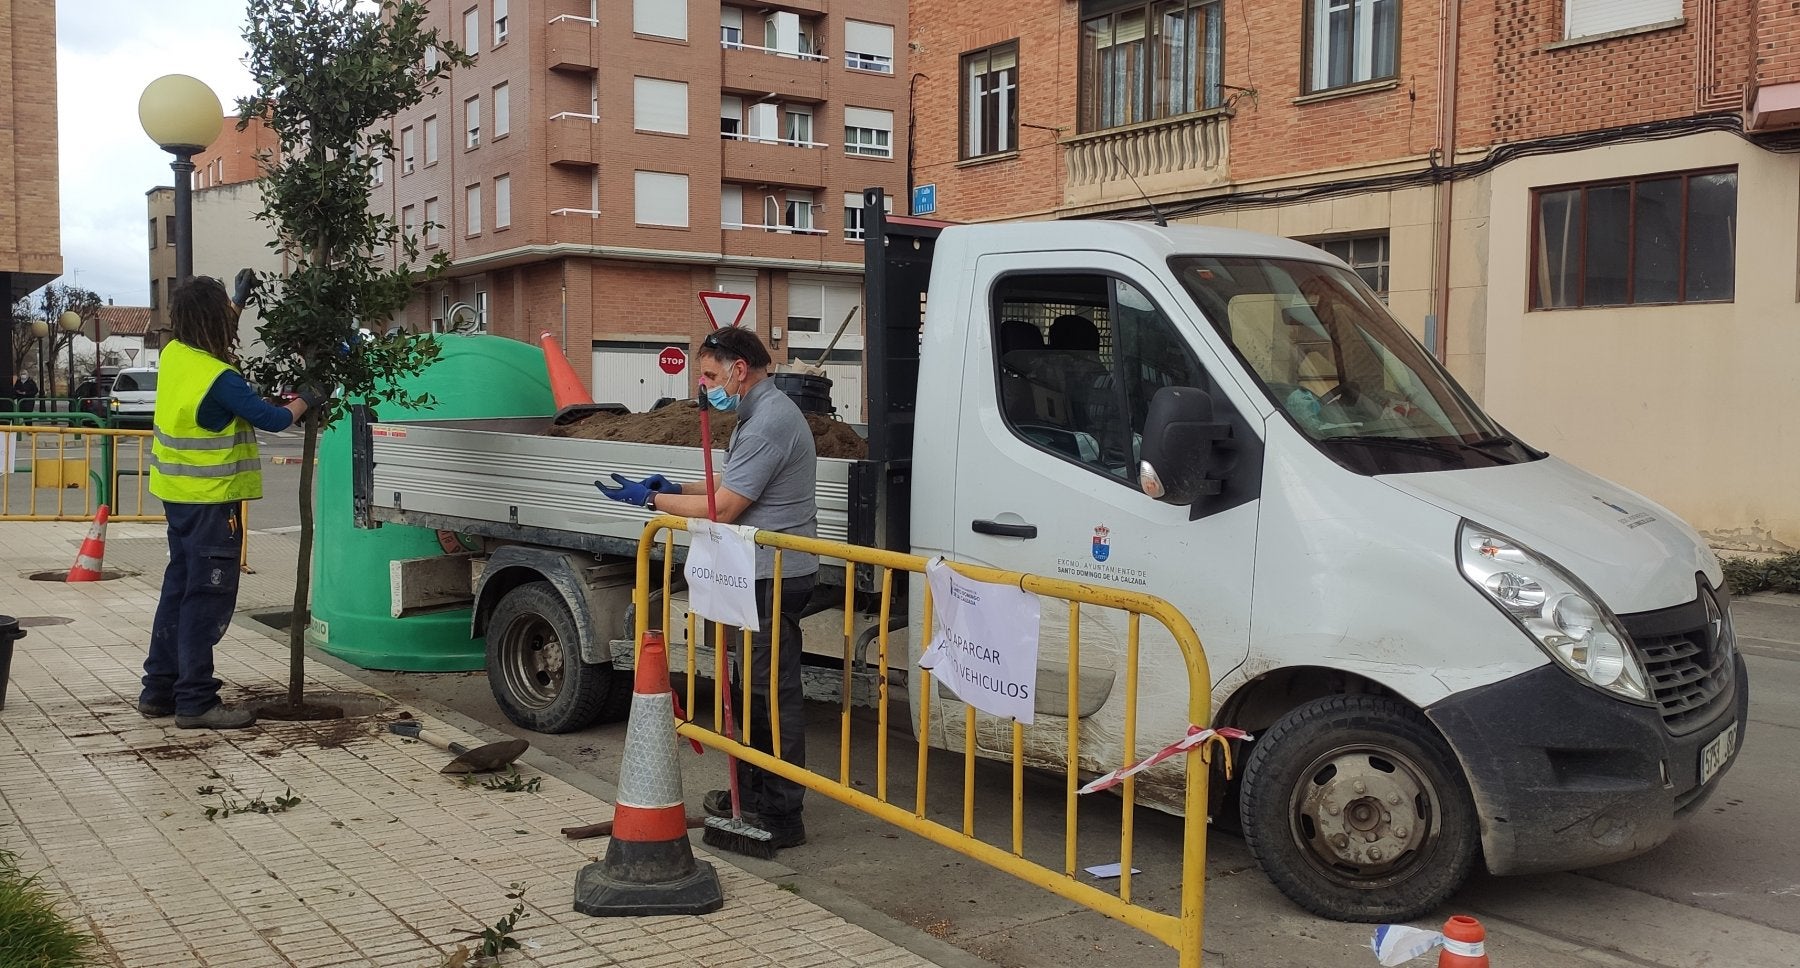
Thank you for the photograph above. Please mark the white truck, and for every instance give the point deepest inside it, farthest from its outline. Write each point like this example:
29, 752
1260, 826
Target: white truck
1451, 647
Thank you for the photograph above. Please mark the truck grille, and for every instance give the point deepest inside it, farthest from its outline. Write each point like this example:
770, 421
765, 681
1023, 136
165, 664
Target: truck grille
1690, 675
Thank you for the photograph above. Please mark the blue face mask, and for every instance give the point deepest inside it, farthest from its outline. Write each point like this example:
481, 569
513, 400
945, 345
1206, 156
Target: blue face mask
722, 400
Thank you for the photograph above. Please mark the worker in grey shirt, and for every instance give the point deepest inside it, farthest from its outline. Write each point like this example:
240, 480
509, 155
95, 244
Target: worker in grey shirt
768, 484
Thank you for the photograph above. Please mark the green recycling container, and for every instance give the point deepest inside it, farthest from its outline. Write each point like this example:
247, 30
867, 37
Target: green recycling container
474, 376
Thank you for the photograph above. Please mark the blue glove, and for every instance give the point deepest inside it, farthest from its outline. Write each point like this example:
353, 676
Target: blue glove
628, 491
661, 484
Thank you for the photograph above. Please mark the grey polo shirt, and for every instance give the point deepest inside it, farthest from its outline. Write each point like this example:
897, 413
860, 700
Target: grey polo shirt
772, 461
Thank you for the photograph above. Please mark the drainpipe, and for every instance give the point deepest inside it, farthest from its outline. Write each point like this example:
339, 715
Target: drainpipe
1437, 326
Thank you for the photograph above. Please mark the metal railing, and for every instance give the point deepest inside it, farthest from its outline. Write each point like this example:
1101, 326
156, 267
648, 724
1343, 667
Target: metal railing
1182, 930
83, 457
763, 139
799, 54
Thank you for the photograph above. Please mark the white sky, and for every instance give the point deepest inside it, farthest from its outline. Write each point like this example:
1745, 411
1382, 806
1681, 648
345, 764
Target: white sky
106, 52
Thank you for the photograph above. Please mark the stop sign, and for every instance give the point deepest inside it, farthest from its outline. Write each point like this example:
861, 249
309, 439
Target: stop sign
673, 359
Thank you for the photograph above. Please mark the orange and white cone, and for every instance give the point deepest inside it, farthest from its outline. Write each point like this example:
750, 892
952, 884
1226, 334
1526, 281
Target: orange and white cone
565, 387
92, 556
649, 868
1465, 944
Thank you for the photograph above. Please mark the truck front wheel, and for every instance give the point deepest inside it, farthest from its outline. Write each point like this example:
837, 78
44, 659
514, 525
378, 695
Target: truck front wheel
1356, 809
534, 663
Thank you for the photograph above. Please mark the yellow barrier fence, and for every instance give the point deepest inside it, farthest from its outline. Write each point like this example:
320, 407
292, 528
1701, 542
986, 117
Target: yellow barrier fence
65, 473
1181, 931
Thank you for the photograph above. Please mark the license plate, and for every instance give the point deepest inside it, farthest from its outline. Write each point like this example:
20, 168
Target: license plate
1717, 753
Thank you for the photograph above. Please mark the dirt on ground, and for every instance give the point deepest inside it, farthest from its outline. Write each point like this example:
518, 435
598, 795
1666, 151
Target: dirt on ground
678, 425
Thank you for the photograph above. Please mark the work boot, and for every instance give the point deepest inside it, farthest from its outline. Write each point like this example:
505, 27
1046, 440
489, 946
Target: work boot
783, 833
155, 710
220, 716
717, 803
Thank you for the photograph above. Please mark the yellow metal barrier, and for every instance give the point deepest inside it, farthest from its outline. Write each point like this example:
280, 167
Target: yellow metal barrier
1182, 931
66, 473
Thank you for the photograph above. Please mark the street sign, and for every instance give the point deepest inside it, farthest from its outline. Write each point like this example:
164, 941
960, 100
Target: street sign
131, 354
924, 200
672, 359
724, 308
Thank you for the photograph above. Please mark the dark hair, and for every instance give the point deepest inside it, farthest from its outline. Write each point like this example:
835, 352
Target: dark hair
202, 316
731, 343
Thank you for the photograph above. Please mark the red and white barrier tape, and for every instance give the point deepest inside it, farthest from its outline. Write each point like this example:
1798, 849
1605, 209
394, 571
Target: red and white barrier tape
1194, 737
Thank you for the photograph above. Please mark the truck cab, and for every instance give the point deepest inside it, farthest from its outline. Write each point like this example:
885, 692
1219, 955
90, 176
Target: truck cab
1451, 647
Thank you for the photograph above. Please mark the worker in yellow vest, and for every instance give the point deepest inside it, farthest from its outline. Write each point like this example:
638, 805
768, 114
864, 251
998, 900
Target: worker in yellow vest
204, 461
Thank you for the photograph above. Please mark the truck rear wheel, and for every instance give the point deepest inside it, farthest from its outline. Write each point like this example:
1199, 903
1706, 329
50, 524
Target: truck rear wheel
534, 663
1357, 810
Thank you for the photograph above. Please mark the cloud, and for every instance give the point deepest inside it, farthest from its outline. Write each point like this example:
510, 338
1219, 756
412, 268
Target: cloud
107, 51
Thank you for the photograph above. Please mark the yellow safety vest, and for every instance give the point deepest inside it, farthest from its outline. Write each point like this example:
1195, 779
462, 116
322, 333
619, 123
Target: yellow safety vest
190, 464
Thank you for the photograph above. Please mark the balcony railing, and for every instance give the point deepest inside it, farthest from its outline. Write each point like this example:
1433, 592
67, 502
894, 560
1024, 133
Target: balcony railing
570, 40
782, 229
1168, 154
801, 55
766, 140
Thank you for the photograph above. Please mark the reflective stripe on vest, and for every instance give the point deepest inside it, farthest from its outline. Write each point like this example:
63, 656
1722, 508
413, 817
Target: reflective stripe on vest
190, 464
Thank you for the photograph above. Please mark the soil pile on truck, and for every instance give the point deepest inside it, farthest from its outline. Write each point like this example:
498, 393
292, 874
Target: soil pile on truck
678, 425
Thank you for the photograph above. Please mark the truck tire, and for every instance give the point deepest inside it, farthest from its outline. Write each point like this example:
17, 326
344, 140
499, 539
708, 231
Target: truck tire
1357, 810
534, 663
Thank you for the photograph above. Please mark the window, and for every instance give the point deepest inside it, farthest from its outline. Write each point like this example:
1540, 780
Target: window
378, 174
155, 300
659, 18
797, 212
853, 213
433, 226
153, 235
481, 309
499, 22
661, 198
990, 99
472, 30
431, 59
1079, 357
731, 26
1351, 41
431, 141
472, 210
408, 148
797, 124
731, 206
1367, 254
169, 229
502, 111
868, 132
502, 201
868, 47
660, 105
1656, 239
1586, 18
472, 122
1150, 61
409, 225
731, 115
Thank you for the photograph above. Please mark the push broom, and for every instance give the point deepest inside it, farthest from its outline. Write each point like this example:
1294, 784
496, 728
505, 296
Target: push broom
729, 833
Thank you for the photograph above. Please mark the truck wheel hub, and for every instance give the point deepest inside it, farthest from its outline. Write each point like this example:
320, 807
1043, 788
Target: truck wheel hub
1359, 810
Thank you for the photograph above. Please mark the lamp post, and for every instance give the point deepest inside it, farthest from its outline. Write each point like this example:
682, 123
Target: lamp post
70, 322
182, 115
40, 331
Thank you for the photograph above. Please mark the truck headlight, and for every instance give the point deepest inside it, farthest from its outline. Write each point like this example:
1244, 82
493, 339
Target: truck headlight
1565, 618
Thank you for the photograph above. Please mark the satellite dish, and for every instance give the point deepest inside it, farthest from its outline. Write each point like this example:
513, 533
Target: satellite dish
462, 319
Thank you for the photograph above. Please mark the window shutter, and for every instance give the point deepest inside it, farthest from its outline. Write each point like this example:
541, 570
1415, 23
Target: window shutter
502, 201
660, 18
502, 110
868, 118
661, 105
732, 17
472, 30
662, 198
1585, 18
865, 38
731, 205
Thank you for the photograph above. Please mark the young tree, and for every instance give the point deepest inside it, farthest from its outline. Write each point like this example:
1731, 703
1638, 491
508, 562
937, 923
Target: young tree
52, 301
329, 73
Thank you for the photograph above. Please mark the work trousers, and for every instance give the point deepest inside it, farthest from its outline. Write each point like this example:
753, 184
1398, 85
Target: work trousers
776, 801
199, 594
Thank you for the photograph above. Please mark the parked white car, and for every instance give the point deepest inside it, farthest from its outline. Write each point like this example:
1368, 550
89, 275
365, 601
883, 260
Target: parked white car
134, 394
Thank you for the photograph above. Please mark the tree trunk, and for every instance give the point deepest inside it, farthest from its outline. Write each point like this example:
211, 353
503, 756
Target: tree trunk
303, 578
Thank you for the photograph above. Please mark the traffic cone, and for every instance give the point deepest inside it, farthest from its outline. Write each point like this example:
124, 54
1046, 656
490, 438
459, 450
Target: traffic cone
91, 557
649, 868
1465, 944
565, 386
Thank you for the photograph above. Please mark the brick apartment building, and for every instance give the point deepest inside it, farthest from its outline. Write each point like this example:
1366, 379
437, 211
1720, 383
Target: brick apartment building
30, 208
1587, 208
227, 236
578, 180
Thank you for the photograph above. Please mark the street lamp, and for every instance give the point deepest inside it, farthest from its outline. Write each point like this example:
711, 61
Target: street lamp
40, 331
70, 321
182, 115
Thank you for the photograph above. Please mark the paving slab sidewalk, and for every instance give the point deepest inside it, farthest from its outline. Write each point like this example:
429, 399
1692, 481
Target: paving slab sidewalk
383, 861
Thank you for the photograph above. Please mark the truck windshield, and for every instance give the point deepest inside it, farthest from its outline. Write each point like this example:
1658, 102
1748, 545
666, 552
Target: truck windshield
1341, 369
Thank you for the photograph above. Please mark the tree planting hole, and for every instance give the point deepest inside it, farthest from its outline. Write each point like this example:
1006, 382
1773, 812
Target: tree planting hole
63, 576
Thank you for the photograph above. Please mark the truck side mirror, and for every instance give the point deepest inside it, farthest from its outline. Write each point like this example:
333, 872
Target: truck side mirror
1179, 437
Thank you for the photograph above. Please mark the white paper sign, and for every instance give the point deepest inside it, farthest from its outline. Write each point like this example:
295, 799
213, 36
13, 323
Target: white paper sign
721, 573
986, 645
6, 451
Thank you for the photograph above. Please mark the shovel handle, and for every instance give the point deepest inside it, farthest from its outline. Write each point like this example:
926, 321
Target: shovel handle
413, 730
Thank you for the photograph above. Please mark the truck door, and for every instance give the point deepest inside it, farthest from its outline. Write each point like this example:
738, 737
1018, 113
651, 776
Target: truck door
1061, 361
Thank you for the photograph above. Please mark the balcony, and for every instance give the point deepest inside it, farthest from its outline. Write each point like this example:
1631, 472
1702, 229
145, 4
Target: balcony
570, 44
573, 139
1169, 155
781, 162
579, 226
764, 70
781, 242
